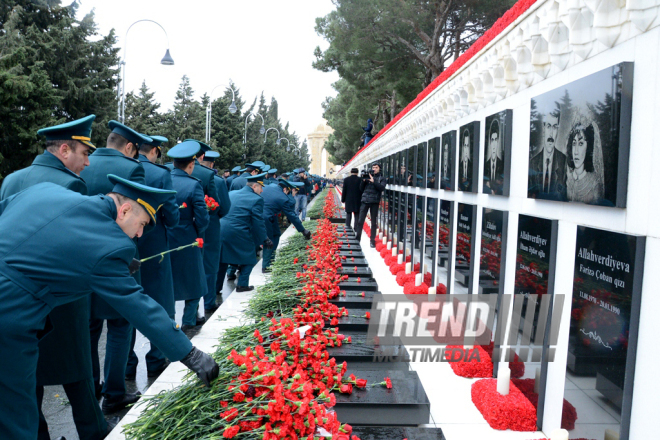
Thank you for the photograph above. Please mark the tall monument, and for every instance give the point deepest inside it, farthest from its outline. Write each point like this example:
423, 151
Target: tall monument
320, 165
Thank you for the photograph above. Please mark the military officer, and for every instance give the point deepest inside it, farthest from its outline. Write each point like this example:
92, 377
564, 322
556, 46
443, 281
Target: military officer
41, 268
271, 176
285, 176
156, 275
188, 264
117, 158
251, 169
243, 229
236, 171
212, 240
64, 354
276, 201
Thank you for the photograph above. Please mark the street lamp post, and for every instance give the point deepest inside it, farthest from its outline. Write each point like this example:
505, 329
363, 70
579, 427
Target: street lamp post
288, 144
262, 130
121, 89
232, 109
278, 135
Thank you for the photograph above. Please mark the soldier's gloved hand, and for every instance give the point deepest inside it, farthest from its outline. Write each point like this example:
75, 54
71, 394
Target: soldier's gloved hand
202, 364
268, 243
307, 234
134, 266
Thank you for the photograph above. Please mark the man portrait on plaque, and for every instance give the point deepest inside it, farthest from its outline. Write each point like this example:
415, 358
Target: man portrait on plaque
446, 177
547, 169
576, 139
465, 163
493, 160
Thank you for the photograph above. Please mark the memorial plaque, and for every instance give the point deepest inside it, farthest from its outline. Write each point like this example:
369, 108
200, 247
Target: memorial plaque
580, 139
404, 404
430, 242
411, 167
448, 161
533, 290
444, 242
420, 160
395, 433
497, 155
418, 234
433, 163
494, 226
464, 248
468, 157
395, 167
603, 331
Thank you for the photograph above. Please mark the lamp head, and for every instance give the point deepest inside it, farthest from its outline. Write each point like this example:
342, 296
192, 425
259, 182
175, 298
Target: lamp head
232, 108
288, 149
167, 59
262, 130
279, 141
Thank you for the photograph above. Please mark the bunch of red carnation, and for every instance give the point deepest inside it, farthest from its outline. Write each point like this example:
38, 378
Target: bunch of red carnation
211, 204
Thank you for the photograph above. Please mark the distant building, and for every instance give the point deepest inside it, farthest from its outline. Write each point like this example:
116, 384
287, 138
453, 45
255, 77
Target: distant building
321, 165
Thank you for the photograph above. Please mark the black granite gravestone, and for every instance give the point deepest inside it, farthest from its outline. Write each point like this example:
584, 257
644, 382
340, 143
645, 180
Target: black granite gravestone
405, 404
365, 284
396, 433
356, 271
353, 299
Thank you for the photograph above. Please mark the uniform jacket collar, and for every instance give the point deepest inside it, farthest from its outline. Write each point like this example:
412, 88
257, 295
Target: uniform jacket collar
143, 158
178, 172
48, 159
110, 152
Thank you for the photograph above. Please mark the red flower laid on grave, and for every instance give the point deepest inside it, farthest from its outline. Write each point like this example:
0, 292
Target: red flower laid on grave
200, 242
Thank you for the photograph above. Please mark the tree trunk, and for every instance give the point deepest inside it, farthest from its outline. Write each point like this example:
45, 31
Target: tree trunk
393, 107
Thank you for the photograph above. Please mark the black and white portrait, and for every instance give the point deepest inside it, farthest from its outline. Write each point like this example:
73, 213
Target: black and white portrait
468, 153
447, 163
576, 143
496, 153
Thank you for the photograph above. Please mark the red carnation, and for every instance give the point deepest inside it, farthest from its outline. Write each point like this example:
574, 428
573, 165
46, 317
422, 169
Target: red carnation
388, 383
231, 431
200, 242
361, 383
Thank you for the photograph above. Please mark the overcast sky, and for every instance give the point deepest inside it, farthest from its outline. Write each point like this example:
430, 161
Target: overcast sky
262, 45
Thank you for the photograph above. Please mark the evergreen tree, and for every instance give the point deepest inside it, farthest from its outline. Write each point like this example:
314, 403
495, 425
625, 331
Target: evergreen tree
187, 120
54, 69
142, 112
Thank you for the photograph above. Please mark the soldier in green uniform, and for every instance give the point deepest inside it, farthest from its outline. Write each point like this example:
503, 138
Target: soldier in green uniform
276, 201
212, 240
207, 176
64, 354
271, 176
236, 171
243, 229
41, 268
251, 169
156, 274
188, 264
117, 158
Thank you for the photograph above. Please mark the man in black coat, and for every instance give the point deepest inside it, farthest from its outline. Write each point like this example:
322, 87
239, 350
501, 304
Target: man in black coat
372, 188
351, 196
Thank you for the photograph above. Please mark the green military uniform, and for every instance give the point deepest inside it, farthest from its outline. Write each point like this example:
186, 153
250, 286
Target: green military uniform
64, 353
106, 161
41, 268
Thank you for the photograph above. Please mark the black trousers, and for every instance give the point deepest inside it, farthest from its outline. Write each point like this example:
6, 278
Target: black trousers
364, 208
86, 410
352, 215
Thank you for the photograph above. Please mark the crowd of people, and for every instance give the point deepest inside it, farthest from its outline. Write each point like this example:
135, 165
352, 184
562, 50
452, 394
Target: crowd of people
84, 222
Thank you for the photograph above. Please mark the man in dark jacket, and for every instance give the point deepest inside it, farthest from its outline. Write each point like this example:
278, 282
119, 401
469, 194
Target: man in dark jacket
351, 196
372, 189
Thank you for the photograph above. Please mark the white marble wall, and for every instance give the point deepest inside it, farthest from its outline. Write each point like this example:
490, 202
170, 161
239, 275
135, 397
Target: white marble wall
552, 44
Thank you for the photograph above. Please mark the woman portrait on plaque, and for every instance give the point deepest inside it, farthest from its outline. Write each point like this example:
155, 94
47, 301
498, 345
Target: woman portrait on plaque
584, 161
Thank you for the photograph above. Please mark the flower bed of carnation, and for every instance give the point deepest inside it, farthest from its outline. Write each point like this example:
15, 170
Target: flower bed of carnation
475, 367
513, 411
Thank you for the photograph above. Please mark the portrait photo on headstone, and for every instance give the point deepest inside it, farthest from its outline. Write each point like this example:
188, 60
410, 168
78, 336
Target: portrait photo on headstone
468, 157
580, 139
447, 162
497, 153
